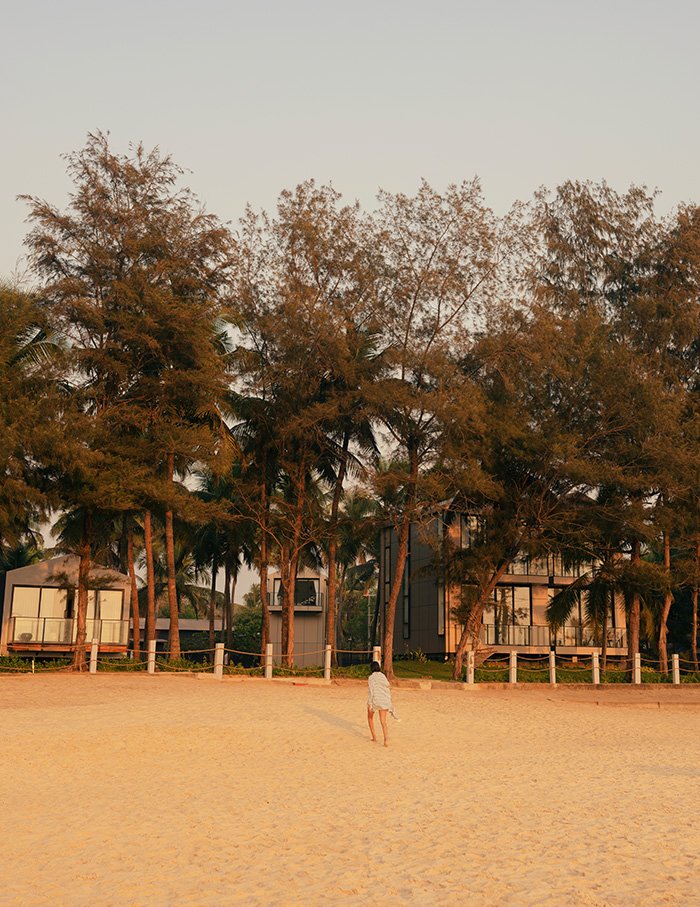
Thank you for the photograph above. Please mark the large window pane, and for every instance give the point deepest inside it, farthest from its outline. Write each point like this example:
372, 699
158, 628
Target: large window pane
110, 604
53, 602
305, 593
510, 615
520, 566
472, 531
25, 601
521, 606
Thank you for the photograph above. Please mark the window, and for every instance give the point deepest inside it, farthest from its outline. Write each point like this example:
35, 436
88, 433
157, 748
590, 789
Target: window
472, 530
387, 567
557, 567
441, 608
25, 601
576, 618
510, 605
110, 602
406, 593
39, 602
305, 593
510, 614
520, 566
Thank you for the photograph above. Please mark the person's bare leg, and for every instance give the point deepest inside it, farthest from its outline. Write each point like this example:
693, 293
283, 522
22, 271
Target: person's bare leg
382, 718
370, 722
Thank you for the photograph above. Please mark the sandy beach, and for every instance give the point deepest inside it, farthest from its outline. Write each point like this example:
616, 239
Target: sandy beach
177, 791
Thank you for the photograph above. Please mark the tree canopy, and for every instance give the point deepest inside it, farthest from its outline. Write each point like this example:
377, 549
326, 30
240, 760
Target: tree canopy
538, 371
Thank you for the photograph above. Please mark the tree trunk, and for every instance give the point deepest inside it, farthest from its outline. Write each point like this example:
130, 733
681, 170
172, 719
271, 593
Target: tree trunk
124, 545
150, 579
635, 611
228, 603
265, 625
331, 609
135, 615
79, 663
170, 560
264, 512
470, 633
340, 596
331, 603
288, 607
285, 574
398, 578
375, 622
232, 600
293, 554
694, 629
604, 641
212, 606
668, 600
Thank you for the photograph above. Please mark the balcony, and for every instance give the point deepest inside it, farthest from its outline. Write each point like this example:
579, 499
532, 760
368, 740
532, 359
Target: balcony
56, 633
565, 637
582, 637
510, 635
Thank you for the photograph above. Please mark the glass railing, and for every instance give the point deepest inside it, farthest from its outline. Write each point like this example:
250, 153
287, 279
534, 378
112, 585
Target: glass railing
544, 566
54, 631
586, 638
509, 635
574, 636
571, 637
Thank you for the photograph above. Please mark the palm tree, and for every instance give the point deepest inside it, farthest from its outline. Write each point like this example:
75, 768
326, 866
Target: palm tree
189, 592
357, 547
225, 540
598, 586
24, 553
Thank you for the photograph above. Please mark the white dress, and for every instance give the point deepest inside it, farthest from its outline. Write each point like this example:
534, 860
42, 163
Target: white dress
379, 697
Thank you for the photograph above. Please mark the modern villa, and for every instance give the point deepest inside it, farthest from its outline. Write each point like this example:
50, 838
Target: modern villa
310, 597
39, 604
515, 619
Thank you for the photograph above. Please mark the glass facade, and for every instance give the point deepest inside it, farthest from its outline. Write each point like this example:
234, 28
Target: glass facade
45, 615
509, 614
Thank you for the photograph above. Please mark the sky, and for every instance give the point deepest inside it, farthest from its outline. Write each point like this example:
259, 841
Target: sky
254, 98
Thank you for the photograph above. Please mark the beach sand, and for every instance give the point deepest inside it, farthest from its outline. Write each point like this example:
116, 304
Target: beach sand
178, 791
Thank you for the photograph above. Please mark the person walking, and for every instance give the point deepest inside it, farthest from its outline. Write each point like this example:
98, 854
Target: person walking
379, 700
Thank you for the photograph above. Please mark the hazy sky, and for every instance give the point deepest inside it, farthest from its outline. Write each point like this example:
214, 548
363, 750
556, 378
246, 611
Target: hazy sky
255, 98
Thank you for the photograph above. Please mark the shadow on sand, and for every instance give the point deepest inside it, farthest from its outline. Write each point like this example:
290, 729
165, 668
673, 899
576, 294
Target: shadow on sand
329, 718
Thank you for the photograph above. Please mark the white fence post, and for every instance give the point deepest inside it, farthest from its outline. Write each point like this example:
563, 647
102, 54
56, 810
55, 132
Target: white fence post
327, 664
552, 668
637, 668
151, 656
219, 661
595, 667
377, 654
676, 668
470, 666
93, 656
268, 661
513, 672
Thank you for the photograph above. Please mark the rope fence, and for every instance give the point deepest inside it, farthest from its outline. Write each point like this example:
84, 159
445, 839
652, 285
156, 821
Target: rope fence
508, 668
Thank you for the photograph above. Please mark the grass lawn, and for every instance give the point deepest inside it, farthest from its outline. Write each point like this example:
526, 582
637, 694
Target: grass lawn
414, 670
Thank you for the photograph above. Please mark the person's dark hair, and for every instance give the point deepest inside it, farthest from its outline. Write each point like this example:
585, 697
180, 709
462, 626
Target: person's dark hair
376, 667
